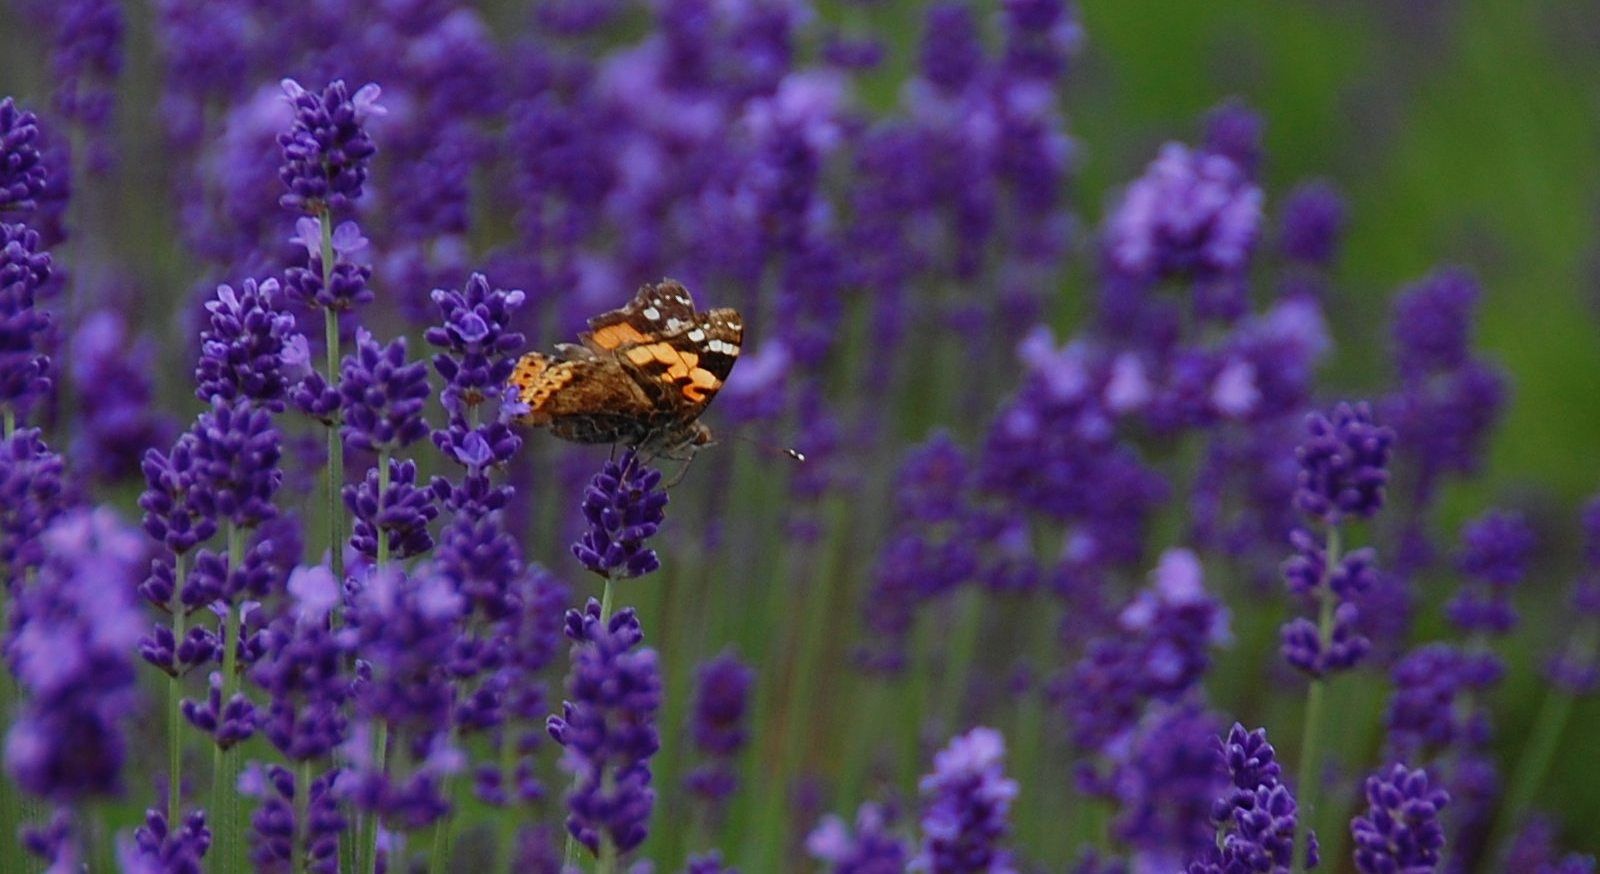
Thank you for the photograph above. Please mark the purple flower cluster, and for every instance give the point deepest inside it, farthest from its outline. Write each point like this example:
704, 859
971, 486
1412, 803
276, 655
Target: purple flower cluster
248, 350
1344, 465
1193, 214
624, 506
22, 174
1494, 556
326, 152
382, 396
71, 643
1256, 817
871, 848
608, 729
718, 726
24, 269
1401, 830
968, 803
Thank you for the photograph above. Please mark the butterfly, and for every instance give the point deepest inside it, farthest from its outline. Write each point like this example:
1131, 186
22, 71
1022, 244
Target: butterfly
640, 376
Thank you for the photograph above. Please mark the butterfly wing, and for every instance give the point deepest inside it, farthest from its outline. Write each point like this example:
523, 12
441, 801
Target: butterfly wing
657, 309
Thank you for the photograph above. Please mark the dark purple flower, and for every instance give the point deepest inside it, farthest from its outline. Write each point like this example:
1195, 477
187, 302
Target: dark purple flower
1312, 224
1432, 323
401, 510
171, 516
33, 492
1166, 782
477, 345
326, 152
24, 269
1041, 36
157, 849
1495, 550
872, 848
1256, 817
1304, 645
404, 628
1234, 130
121, 420
229, 722
277, 839
383, 396
721, 699
709, 863
968, 799
347, 283
1400, 832
70, 643
608, 729
303, 671
1343, 464
22, 174
1193, 213
624, 506
1534, 850
236, 451
952, 50
244, 351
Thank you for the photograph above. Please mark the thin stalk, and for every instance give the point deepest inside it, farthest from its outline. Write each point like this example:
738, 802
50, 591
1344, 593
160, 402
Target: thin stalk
1311, 736
10, 422
302, 819
330, 324
383, 488
507, 824
369, 825
224, 788
174, 698
1543, 741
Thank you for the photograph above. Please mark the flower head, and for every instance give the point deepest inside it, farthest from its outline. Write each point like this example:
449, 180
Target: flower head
1192, 213
22, 174
1401, 831
326, 151
871, 848
383, 396
624, 506
722, 697
968, 807
1344, 464
246, 351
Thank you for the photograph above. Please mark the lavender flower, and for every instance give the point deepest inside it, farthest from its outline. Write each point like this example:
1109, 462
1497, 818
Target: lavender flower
1312, 223
1400, 830
871, 849
325, 153
302, 670
400, 511
347, 286
1256, 818
624, 506
1192, 213
122, 421
969, 802
608, 730
1495, 550
477, 344
245, 351
33, 493
1166, 783
1343, 465
24, 269
156, 848
709, 863
236, 451
383, 396
722, 692
70, 644
274, 826
22, 174
1426, 713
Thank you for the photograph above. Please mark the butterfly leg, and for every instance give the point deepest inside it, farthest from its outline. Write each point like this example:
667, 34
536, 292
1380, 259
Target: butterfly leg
682, 471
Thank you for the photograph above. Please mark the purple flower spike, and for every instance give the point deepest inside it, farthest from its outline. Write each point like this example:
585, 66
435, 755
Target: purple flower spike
1256, 818
608, 728
32, 494
624, 506
1343, 464
1312, 224
872, 848
326, 152
243, 353
1400, 833
347, 283
722, 696
1192, 213
24, 268
969, 802
156, 848
402, 512
383, 396
22, 174
1494, 556
236, 454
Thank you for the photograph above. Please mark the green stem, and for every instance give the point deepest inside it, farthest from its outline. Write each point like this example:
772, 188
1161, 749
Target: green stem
1311, 737
369, 825
174, 699
507, 824
10, 422
383, 488
330, 324
225, 790
302, 819
605, 603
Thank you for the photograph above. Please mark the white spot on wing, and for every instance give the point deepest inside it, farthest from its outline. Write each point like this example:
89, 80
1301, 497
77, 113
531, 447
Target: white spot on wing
652, 313
697, 335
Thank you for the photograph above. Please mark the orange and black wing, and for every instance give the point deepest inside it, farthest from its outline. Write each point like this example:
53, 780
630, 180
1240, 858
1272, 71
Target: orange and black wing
657, 309
557, 388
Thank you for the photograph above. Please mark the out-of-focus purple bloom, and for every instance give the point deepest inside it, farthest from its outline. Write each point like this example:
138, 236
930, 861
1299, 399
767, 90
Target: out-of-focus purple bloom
709, 863
302, 670
624, 506
229, 722
247, 351
401, 512
55, 842
1312, 224
1041, 36
722, 697
1304, 645
70, 643
1235, 131
872, 848
119, 420
157, 849
1432, 323
1495, 550
383, 396
952, 50
1344, 464
33, 493
326, 151
1534, 850
86, 60
1425, 714
1166, 782
22, 174
1400, 832
1159, 651
1193, 213
968, 808
273, 827
608, 729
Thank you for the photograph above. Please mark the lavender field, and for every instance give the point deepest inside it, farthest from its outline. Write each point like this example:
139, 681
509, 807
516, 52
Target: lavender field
1138, 437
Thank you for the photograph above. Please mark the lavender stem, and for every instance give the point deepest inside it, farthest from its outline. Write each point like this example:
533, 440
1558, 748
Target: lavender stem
1311, 735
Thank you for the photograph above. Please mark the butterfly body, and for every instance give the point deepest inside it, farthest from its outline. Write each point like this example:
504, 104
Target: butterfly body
640, 376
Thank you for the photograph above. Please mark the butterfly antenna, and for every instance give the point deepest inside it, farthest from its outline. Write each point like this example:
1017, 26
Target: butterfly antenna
794, 454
